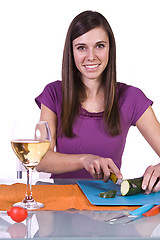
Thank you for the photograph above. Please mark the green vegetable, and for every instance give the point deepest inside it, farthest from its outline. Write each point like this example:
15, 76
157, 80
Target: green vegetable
131, 186
109, 194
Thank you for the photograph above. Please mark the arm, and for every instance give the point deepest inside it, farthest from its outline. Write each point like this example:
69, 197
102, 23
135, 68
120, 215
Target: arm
149, 126
54, 162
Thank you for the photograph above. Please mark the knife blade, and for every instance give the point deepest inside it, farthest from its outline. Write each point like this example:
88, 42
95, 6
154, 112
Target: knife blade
118, 181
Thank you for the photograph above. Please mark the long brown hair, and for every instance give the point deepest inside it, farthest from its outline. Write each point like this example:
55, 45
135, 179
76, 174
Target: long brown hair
73, 88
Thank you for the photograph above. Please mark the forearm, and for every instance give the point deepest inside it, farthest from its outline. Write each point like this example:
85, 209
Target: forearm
54, 162
98, 167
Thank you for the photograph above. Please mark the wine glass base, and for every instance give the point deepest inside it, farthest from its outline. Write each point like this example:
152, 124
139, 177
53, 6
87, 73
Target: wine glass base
29, 205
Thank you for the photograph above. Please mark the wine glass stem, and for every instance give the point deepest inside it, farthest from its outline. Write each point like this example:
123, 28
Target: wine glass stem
28, 196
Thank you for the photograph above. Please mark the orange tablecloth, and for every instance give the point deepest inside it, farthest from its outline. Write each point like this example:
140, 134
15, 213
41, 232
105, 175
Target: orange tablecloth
54, 197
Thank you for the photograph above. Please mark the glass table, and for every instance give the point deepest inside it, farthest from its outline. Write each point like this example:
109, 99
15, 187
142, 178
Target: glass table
74, 224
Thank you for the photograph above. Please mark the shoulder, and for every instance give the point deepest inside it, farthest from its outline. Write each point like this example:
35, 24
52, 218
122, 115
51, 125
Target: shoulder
54, 86
132, 102
123, 88
53, 91
129, 92
51, 96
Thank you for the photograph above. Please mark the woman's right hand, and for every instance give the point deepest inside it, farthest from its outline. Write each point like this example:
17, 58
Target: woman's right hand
100, 168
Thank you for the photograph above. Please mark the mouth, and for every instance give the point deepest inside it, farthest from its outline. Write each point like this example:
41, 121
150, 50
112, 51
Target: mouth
92, 67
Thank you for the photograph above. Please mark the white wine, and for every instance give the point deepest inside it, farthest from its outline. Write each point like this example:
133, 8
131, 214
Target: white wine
30, 142
30, 152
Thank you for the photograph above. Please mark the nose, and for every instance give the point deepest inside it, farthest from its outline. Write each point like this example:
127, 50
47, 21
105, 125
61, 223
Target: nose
91, 54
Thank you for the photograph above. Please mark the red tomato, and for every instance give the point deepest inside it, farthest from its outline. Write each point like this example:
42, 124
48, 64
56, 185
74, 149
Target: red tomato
18, 214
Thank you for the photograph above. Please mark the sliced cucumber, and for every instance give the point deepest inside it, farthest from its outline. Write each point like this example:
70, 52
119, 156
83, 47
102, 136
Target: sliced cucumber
131, 186
109, 194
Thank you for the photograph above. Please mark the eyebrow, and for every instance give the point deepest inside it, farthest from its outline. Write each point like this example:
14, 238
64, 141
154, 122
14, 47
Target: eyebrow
84, 44
101, 42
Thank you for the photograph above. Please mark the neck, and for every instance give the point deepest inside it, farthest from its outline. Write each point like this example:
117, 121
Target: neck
95, 96
93, 87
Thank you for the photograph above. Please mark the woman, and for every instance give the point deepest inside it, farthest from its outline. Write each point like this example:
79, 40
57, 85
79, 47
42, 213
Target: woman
89, 113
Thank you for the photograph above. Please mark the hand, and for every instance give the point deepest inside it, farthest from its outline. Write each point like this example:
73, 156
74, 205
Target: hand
151, 179
100, 168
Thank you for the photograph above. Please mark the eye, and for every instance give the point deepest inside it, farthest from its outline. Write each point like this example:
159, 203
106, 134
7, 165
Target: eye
101, 45
81, 48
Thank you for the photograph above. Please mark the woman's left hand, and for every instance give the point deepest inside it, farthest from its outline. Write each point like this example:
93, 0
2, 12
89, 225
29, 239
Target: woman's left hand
151, 179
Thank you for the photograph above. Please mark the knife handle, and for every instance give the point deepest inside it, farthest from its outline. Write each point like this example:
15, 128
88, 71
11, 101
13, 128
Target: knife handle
152, 212
113, 177
141, 210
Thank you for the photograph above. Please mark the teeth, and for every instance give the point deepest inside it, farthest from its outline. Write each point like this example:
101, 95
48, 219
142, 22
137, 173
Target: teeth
91, 66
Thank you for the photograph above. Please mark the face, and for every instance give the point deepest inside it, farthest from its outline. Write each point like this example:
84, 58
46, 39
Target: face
91, 53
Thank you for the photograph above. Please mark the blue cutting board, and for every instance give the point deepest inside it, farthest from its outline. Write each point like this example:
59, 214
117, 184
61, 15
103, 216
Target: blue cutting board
93, 188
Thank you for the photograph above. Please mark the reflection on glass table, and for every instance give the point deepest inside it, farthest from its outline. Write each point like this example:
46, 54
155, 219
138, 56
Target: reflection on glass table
80, 224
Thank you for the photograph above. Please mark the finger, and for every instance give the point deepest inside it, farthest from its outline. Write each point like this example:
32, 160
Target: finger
114, 169
106, 170
154, 182
100, 175
153, 179
146, 178
92, 171
98, 170
156, 187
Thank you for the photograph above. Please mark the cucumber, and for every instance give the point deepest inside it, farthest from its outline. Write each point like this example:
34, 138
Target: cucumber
109, 194
131, 186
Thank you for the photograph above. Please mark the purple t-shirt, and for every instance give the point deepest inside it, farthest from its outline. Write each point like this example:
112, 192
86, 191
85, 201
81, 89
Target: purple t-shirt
88, 127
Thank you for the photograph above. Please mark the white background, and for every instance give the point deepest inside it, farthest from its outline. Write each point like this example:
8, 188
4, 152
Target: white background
32, 34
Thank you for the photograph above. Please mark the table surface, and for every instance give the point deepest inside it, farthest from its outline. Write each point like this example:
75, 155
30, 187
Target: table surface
75, 224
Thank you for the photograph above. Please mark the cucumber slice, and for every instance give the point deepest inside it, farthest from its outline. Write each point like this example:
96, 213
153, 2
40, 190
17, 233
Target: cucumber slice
109, 194
131, 186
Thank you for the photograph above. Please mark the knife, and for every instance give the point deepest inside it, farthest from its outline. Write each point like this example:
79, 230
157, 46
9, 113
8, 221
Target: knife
152, 212
115, 180
134, 213
118, 181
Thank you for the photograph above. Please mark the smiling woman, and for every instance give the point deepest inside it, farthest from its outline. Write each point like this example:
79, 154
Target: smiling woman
91, 53
89, 112
83, 27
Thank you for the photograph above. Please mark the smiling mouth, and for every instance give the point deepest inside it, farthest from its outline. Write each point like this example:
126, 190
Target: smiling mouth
91, 67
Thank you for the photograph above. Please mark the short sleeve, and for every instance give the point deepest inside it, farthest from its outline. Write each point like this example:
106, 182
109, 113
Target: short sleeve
132, 103
50, 96
137, 104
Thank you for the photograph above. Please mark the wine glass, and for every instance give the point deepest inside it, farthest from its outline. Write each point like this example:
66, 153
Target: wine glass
30, 142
